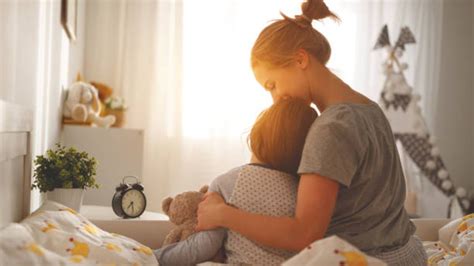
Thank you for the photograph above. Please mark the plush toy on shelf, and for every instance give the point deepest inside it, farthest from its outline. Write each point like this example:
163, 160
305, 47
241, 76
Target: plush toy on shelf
82, 105
115, 105
104, 93
104, 90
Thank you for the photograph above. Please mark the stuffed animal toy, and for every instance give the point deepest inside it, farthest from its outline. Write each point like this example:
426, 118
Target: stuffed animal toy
104, 90
82, 105
104, 93
182, 211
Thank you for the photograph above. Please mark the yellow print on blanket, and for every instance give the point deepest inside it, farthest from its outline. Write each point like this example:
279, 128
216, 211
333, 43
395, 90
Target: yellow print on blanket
353, 258
92, 229
89, 228
459, 249
466, 224
80, 248
462, 227
69, 210
49, 226
467, 217
113, 247
76, 258
144, 250
34, 248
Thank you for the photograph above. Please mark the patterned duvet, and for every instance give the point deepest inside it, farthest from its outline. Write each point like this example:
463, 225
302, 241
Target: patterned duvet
57, 235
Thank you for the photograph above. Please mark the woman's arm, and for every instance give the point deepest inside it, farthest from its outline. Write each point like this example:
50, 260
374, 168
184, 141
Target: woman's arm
314, 208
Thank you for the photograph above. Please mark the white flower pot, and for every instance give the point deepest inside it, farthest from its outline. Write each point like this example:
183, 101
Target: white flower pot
70, 197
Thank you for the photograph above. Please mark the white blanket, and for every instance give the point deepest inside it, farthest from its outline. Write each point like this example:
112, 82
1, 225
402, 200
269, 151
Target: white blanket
332, 251
455, 245
57, 235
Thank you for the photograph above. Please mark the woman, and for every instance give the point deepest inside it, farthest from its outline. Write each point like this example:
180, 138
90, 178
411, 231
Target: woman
351, 184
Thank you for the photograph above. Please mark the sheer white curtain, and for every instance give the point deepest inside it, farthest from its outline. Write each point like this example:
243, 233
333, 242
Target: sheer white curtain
183, 66
135, 47
217, 37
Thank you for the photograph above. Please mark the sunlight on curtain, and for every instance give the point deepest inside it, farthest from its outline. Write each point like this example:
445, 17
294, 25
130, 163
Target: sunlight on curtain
184, 68
220, 97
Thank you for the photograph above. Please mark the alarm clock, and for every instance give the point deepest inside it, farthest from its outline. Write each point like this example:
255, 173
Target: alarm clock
129, 201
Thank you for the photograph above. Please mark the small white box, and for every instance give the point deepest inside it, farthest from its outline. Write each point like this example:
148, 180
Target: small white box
149, 229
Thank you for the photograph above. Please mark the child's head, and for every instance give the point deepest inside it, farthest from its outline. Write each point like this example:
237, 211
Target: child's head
278, 43
277, 137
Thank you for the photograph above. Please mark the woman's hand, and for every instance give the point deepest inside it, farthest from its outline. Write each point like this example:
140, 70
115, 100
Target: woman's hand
210, 211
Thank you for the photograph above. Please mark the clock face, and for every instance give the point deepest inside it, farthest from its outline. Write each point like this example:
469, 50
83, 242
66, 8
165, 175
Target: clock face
133, 203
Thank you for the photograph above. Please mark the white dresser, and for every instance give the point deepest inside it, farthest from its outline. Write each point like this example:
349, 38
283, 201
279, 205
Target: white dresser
149, 229
119, 152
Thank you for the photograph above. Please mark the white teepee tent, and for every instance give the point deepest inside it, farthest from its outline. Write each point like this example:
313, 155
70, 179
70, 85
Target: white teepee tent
401, 108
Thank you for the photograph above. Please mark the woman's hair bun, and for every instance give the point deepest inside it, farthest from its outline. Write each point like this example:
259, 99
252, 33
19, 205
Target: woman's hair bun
316, 9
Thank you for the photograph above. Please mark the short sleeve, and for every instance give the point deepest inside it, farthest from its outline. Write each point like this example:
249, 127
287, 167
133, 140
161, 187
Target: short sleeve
224, 184
334, 148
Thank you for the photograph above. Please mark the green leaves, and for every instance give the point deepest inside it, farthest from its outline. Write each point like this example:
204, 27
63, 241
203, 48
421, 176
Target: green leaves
64, 168
115, 103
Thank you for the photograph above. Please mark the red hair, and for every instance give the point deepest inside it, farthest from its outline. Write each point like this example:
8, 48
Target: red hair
277, 137
278, 42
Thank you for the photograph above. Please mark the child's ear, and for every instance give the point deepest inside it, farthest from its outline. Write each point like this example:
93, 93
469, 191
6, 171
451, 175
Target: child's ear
165, 205
204, 189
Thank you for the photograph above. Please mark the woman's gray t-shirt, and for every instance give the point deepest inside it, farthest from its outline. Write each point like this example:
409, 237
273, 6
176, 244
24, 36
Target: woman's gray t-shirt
353, 144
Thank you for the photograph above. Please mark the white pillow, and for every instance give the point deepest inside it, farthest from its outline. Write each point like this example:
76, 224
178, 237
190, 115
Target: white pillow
455, 245
332, 251
58, 235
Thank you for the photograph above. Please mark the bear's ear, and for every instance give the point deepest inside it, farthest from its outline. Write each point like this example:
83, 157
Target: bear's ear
165, 205
204, 189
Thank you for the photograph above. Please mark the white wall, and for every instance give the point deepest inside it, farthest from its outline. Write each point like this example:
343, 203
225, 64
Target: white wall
454, 123
37, 62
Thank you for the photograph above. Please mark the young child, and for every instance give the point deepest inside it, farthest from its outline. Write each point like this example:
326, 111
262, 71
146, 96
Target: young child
267, 185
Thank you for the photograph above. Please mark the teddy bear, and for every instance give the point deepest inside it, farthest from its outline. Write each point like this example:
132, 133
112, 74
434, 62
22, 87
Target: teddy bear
82, 105
182, 211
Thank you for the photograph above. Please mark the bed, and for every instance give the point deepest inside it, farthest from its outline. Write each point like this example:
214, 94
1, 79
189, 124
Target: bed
54, 234
16, 124
16, 134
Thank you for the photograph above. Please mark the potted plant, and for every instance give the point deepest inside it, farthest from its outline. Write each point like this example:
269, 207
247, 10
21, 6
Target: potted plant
63, 174
115, 105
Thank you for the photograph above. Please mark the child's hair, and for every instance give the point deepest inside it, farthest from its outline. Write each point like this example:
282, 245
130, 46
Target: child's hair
277, 137
278, 42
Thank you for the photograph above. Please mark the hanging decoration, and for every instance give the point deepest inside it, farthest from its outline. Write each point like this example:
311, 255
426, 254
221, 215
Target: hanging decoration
401, 108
